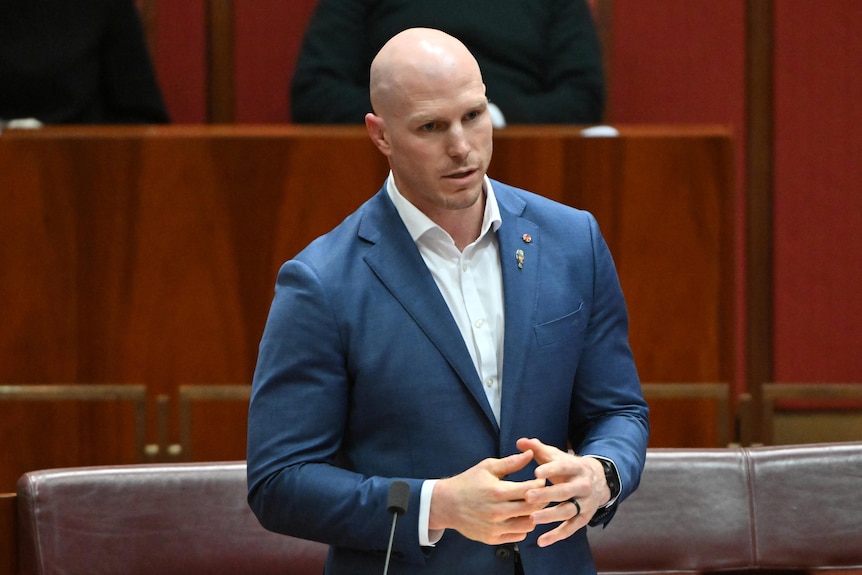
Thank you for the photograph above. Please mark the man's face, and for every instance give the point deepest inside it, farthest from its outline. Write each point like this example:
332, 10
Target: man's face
440, 142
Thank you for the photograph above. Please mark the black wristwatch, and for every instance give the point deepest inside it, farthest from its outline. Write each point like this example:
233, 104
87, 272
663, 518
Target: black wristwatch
611, 477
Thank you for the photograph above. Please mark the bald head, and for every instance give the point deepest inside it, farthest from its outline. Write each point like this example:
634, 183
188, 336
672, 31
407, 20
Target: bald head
418, 60
431, 121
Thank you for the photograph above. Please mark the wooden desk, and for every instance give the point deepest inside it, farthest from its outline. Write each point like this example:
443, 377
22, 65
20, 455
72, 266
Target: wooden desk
149, 254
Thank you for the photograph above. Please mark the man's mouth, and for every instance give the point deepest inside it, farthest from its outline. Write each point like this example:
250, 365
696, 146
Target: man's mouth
461, 174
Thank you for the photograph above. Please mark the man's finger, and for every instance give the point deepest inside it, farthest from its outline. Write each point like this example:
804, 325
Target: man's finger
506, 465
542, 452
562, 531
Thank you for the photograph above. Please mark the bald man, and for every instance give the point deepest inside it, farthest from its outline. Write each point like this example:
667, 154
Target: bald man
454, 333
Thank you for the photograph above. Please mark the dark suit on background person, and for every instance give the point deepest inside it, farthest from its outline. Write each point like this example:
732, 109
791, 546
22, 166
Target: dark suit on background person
541, 59
76, 62
364, 374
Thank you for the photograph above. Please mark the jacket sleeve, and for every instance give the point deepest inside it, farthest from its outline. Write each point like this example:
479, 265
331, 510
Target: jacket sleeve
297, 418
609, 415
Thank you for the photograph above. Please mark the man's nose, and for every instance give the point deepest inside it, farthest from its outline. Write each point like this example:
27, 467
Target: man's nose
458, 145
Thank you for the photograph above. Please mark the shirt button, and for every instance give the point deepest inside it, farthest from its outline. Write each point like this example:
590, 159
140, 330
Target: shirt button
480, 322
464, 267
489, 382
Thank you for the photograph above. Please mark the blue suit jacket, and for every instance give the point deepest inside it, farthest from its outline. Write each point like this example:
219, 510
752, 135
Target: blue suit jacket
363, 377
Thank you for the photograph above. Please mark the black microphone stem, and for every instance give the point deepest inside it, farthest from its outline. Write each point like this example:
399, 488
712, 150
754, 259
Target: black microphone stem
391, 540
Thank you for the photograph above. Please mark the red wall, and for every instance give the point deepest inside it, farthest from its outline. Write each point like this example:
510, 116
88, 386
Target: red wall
671, 61
268, 36
678, 61
180, 58
818, 191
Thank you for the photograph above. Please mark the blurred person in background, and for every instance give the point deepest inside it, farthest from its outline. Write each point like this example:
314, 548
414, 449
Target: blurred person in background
541, 59
76, 62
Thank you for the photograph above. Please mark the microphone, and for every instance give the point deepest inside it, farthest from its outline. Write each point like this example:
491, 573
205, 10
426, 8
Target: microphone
399, 496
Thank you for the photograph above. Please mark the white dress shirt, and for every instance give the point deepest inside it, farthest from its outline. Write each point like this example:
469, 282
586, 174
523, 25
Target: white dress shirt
471, 282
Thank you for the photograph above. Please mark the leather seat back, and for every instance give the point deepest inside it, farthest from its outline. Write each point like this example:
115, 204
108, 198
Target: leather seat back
151, 519
691, 513
808, 506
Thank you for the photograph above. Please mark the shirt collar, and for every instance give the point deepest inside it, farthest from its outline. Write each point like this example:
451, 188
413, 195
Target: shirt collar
418, 223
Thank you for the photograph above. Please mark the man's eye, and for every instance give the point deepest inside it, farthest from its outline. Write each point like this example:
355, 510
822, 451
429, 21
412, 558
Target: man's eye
472, 115
429, 127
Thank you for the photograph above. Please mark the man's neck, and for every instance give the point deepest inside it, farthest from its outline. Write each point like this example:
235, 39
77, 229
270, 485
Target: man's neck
464, 226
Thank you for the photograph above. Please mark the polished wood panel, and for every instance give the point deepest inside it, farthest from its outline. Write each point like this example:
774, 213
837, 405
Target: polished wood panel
671, 404
202, 404
70, 424
149, 254
758, 419
8, 534
663, 203
760, 210
136, 394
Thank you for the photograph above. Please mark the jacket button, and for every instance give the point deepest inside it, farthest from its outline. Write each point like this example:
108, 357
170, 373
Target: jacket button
503, 553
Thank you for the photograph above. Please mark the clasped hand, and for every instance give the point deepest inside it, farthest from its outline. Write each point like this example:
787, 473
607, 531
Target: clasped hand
481, 505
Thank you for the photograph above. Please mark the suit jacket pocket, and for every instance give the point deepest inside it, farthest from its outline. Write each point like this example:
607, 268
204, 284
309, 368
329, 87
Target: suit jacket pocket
567, 327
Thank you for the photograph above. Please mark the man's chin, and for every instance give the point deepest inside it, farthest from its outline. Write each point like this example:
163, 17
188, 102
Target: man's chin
465, 198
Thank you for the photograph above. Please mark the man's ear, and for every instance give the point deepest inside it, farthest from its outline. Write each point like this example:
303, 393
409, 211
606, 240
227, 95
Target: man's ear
377, 130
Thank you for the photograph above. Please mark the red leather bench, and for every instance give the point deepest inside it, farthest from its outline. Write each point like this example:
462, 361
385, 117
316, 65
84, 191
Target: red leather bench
793, 508
151, 519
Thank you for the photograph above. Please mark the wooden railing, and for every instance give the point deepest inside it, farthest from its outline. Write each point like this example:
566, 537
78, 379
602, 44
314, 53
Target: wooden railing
148, 254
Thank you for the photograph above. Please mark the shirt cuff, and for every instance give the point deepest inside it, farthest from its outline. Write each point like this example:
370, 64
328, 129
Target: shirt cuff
427, 537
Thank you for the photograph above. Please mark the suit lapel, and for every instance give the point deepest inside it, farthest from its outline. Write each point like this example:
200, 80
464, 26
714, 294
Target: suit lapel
396, 261
519, 240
